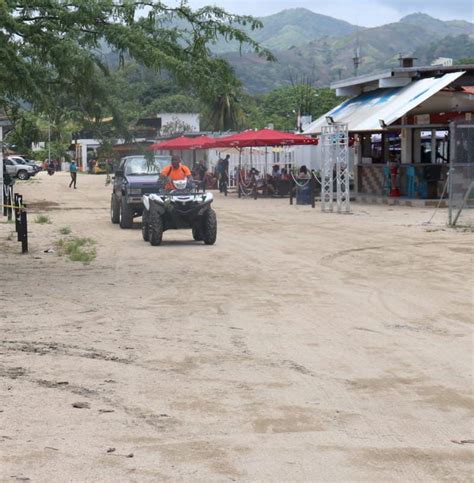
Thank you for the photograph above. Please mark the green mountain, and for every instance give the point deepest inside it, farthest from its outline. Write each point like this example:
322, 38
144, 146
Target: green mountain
289, 28
297, 26
328, 58
439, 27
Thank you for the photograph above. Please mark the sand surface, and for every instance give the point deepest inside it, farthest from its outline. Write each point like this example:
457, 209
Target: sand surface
303, 346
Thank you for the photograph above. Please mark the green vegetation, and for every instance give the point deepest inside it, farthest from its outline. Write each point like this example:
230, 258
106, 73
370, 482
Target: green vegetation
65, 230
459, 48
63, 60
42, 219
465, 61
78, 249
281, 106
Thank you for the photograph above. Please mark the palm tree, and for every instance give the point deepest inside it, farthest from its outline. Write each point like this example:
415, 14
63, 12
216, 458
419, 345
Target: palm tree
222, 99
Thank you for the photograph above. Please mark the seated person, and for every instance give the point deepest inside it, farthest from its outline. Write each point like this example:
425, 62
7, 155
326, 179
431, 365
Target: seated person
175, 171
276, 171
254, 172
303, 173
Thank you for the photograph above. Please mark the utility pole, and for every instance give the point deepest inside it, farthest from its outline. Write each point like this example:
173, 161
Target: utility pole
356, 58
49, 141
1, 164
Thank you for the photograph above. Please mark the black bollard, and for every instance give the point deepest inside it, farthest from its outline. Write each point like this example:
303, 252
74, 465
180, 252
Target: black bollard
313, 191
4, 200
292, 187
24, 231
10, 202
17, 215
19, 203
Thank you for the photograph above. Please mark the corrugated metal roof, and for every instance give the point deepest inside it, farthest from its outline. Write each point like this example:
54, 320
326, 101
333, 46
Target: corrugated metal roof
363, 112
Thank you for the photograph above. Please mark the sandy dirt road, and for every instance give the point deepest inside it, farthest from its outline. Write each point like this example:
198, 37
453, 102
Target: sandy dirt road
301, 347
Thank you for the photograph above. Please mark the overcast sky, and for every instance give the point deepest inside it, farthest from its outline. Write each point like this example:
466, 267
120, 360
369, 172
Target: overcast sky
368, 13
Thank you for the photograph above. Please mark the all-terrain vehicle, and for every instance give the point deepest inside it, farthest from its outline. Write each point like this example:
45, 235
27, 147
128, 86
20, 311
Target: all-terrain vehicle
135, 176
180, 208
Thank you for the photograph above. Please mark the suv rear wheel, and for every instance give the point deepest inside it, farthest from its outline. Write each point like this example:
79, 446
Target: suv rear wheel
114, 210
126, 214
146, 225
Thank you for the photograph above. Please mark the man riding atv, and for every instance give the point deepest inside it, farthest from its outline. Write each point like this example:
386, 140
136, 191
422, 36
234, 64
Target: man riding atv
178, 205
175, 172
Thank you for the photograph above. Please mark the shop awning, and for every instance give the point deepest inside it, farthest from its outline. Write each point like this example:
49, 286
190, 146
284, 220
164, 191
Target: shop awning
365, 111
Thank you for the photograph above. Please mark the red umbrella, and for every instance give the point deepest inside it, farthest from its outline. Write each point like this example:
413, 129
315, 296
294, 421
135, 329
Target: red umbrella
202, 142
184, 143
263, 137
170, 144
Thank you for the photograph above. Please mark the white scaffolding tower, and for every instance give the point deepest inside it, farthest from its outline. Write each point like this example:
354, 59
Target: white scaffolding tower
335, 140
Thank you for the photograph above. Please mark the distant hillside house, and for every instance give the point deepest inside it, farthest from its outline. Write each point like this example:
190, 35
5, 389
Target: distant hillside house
444, 61
177, 123
166, 124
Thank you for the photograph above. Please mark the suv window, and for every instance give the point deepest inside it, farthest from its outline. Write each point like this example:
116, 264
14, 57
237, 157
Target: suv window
140, 165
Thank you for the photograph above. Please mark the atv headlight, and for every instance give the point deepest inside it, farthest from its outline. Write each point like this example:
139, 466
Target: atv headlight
180, 184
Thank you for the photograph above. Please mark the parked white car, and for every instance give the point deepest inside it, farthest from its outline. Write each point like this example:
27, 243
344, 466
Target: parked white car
18, 169
23, 160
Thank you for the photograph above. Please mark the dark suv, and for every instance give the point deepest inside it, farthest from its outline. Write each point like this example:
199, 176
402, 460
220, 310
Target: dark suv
135, 177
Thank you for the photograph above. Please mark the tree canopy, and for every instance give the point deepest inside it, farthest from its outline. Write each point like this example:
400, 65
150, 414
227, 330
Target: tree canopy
53, 46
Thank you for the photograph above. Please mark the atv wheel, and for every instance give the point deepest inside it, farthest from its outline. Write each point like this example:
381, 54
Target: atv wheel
126, 215
197, 233
209, 231
114, 210
146, 225
156, 229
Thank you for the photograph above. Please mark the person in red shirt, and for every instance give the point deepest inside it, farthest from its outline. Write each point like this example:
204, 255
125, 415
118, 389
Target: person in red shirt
175, 171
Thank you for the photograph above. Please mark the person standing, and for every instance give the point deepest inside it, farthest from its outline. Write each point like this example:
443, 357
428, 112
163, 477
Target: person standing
223, 172
201, 169
73, 172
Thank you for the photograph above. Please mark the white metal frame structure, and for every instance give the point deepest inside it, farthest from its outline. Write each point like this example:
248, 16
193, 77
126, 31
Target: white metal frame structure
461, 173
335, 144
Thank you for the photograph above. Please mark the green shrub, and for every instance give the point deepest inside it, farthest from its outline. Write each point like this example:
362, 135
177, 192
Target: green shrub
65, 230
42, 219
78, 249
